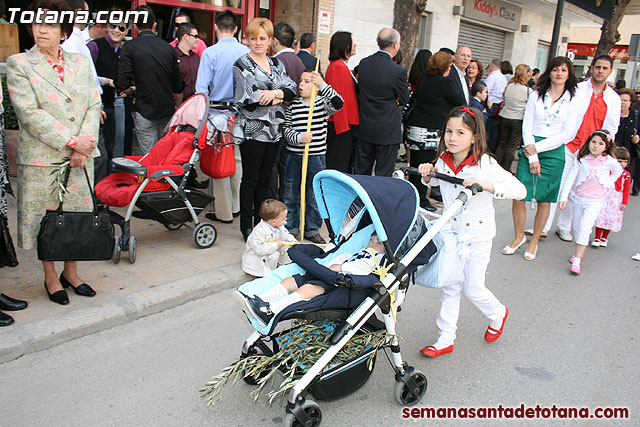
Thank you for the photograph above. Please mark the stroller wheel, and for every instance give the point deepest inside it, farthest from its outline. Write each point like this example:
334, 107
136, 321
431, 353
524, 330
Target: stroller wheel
173, 227
205, 235
259, 348
410, 388
116, 250
132, 249
312, 411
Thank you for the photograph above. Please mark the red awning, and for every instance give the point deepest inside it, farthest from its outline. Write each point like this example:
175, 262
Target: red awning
589, 49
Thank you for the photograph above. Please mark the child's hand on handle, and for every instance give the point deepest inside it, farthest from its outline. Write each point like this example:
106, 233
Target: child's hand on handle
623, 207
485, 186
316, 79
425, 169
562, 205
306, 137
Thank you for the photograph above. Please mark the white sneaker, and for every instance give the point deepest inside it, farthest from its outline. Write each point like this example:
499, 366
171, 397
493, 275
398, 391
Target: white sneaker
636, 257
564, 235
595, 243
603, 243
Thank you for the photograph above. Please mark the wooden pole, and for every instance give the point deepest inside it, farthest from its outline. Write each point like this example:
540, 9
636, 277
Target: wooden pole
305, 160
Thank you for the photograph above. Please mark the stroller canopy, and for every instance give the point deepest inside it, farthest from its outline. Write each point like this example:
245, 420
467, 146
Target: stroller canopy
392, 205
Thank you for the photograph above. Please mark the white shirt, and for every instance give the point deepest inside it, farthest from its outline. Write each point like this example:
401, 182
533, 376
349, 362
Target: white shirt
86, 35
75, 43
463, 82
558, 124
611, 98
286, 49
496, 83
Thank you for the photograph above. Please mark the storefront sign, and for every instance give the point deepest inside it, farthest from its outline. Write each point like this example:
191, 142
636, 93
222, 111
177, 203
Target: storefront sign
589, 49
324, 24
494, 12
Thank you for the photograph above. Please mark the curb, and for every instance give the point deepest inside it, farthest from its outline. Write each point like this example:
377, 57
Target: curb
45, 333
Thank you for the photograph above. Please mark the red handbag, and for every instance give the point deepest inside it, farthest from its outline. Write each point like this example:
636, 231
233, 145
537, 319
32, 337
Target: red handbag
218, 159
218, 162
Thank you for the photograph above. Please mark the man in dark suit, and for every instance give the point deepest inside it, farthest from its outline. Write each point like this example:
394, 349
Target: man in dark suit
458, 74
384, 89
307, 49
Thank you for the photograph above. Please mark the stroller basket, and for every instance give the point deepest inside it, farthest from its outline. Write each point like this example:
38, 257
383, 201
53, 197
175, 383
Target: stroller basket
338, 381
168, 208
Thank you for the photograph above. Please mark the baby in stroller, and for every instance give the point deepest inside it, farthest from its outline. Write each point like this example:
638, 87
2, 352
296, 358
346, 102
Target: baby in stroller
344, 270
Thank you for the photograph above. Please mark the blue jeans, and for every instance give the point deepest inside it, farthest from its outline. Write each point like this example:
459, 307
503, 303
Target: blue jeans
292, 183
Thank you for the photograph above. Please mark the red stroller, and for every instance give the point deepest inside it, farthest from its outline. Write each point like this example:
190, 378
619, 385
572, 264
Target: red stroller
152, 182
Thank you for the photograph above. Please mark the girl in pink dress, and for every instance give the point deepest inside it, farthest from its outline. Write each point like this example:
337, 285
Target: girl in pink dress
615, 203
594, 171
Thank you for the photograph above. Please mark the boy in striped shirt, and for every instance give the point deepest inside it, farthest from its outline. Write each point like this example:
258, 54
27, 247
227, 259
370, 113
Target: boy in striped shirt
327, 102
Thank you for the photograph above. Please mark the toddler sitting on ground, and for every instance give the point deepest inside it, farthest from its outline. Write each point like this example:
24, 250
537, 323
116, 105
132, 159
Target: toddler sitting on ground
343, 268
265, 248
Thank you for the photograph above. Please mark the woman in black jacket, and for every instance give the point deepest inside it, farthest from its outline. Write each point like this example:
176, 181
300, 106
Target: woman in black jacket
627, 136
429, 106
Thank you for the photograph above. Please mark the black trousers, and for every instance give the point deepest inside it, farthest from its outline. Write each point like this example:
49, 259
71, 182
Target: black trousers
510, 140
384, 157
634, 170
417, 158
257, 165
340, 148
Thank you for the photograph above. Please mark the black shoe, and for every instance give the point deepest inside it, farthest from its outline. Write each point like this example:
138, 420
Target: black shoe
192, 183
427, 206
11, 304
212, 216
245, 233
254, 307
84, 289
236, 214
635, 193
5, 319
59, 297
317, 239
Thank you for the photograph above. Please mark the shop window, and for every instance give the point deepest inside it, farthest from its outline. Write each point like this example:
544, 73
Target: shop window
425, 31
542, 56
237, 4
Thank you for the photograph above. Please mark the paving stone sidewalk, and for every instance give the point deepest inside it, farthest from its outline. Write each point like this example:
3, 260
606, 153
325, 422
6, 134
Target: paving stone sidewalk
170, 270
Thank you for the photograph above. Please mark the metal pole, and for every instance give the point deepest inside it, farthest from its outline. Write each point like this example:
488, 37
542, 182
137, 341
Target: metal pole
556, 31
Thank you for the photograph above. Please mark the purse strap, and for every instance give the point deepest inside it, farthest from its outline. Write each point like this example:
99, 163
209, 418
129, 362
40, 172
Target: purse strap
93, 195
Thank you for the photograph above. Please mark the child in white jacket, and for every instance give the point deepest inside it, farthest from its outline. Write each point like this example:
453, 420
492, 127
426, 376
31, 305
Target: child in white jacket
265, 248
594, 170
463, 153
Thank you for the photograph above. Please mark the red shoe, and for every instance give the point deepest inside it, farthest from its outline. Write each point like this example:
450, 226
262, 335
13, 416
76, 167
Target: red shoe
495, 334
431, 351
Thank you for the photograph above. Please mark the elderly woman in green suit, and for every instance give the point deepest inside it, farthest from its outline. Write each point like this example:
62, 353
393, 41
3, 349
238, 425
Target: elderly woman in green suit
57, 103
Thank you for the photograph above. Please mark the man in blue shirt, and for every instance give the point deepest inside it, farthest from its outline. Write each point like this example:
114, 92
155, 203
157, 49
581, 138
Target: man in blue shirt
215, 74
215, 78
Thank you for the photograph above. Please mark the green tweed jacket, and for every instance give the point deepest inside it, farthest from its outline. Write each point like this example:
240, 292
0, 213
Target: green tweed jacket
51, 112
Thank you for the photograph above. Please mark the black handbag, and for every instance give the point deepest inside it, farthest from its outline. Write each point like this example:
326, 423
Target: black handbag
8, 257
76, 236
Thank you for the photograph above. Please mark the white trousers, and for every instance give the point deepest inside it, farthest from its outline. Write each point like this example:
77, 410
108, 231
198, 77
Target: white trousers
475, 290
226, 191
564, 220
585, 213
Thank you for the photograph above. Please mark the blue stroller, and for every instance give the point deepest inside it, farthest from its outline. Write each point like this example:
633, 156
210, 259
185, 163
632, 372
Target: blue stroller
353, 207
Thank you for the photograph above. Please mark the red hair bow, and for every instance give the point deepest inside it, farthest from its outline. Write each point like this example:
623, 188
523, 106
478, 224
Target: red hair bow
467, 110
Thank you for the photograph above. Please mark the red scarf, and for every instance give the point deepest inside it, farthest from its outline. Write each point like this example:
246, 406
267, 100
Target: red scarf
58, 67
447, 158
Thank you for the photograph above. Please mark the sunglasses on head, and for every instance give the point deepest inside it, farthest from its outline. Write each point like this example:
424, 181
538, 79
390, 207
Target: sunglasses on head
120, 28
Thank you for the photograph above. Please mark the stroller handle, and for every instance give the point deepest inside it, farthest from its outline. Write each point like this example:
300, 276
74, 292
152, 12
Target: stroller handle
475, 188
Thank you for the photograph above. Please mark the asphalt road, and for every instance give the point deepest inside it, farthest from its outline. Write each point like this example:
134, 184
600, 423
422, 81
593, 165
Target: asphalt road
569, 341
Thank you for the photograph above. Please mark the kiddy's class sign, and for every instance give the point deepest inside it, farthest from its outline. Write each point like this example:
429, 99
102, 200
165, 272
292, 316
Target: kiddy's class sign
494, 12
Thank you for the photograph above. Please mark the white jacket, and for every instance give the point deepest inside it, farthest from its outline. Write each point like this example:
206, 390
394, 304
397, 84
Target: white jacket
476, 221
262, 255
608, 173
